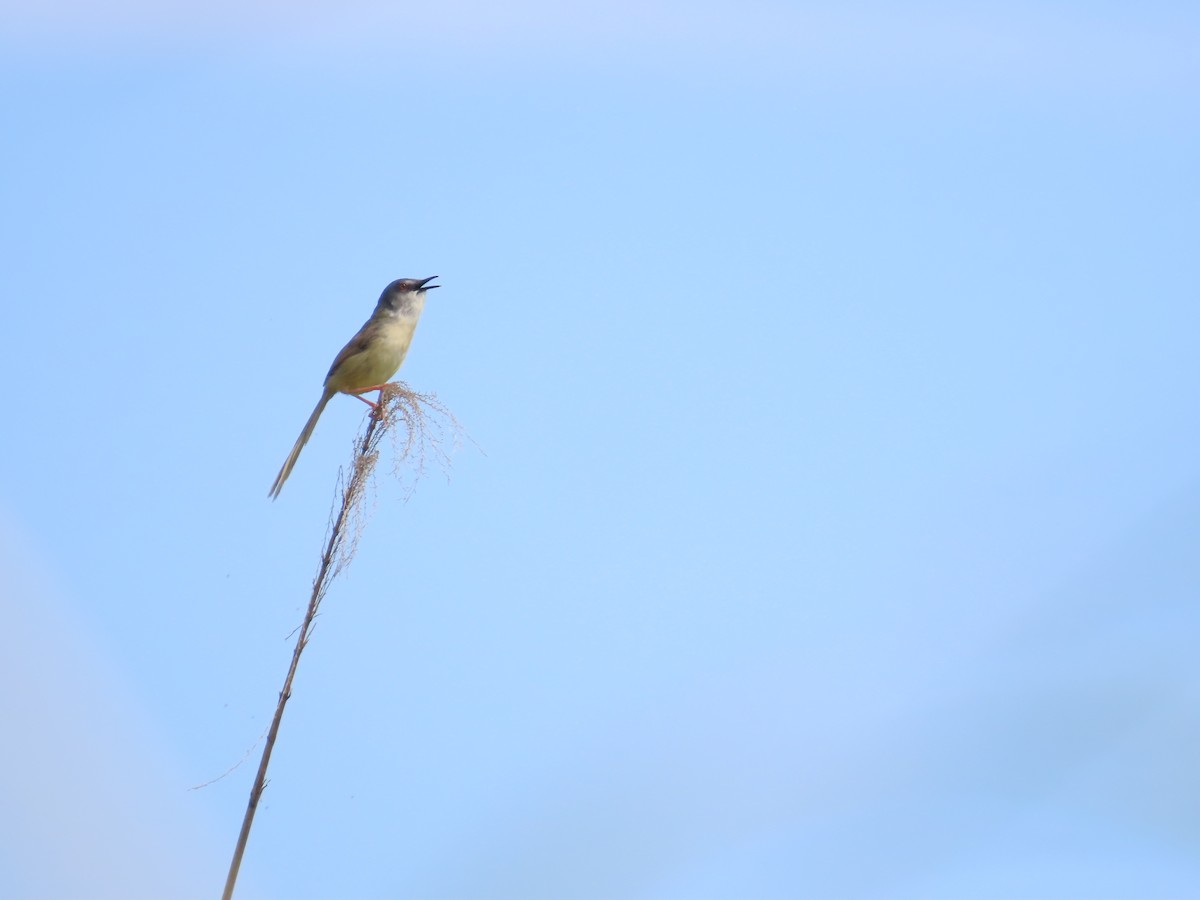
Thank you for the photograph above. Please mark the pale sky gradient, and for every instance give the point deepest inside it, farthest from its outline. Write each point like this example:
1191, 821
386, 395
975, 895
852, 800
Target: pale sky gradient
835, 371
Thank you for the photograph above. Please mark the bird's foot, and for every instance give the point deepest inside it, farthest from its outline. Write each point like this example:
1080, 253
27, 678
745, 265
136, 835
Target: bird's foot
358, 392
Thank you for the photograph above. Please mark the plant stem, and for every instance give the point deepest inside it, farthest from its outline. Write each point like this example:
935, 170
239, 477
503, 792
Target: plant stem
350, 493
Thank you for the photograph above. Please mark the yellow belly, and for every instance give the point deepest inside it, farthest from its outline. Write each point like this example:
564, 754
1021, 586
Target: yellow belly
376, 364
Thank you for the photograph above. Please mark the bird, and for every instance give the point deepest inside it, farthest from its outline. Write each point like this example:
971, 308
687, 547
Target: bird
370, 358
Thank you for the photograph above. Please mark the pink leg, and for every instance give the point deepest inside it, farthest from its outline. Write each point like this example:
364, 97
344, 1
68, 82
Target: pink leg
358, 392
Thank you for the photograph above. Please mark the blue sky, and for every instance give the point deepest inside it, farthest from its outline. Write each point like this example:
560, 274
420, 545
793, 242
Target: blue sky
834, 370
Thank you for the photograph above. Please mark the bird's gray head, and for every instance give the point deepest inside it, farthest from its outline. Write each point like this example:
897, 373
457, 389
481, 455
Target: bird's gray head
404, 292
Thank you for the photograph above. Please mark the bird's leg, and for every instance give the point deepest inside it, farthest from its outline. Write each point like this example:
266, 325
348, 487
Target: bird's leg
358, 392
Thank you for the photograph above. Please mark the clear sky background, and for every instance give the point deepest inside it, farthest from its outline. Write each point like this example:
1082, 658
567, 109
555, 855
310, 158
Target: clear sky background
835, 370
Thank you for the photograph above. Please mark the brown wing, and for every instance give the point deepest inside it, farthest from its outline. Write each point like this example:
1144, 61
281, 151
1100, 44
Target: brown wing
355, 345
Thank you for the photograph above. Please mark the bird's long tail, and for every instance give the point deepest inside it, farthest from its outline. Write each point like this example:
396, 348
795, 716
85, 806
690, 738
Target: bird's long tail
290, 462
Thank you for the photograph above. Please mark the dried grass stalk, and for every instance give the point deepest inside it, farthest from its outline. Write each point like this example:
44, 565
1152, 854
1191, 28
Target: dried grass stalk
421, 427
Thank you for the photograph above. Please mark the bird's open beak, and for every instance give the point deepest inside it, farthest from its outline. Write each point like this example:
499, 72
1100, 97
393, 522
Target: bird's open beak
426, 286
